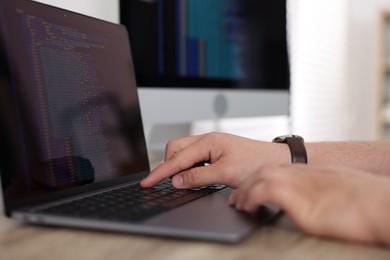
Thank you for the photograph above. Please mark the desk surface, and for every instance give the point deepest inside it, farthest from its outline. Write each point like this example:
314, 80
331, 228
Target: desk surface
281, 241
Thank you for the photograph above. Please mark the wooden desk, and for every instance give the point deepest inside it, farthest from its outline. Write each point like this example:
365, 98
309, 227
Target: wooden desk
282, 241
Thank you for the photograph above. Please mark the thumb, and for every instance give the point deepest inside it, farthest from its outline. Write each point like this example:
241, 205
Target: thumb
196, 177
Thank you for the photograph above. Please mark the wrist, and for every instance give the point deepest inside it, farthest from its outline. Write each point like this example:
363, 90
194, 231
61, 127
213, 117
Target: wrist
296, 145
282, 154
327, 153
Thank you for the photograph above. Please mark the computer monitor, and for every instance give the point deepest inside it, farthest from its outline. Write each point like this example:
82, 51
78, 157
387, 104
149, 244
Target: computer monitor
171, 102
209, 59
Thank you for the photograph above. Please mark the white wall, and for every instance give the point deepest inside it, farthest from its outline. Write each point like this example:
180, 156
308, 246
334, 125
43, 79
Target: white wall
320, 107
364, 63
335, 68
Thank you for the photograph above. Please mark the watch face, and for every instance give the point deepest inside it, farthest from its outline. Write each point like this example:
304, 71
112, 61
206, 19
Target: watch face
283, 138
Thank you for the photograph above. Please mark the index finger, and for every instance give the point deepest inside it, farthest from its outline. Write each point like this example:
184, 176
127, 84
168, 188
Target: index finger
178, 162
176, 145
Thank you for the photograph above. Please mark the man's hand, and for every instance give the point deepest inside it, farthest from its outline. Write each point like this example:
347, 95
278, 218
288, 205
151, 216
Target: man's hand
332, 202
230, 158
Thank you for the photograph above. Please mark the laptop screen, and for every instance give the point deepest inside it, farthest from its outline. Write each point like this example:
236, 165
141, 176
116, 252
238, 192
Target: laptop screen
69, 108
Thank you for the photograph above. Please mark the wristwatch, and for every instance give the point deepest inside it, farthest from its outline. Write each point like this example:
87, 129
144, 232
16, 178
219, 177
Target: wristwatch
296, 145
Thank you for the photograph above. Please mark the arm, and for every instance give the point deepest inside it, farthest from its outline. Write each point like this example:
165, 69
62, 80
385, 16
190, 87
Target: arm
370, 156
232, 158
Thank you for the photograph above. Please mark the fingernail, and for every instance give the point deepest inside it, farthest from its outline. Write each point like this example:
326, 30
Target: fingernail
143, 183
178, 181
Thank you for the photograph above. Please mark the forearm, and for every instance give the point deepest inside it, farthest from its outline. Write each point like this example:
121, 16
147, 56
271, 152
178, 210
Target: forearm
373, 156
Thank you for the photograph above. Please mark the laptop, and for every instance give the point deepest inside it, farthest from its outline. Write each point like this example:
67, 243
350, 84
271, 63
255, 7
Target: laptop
73, 149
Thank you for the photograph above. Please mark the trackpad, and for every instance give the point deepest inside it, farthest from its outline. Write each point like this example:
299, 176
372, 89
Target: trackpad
211, 213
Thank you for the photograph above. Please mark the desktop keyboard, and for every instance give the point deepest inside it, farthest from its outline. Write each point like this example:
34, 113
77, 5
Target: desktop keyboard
130, 203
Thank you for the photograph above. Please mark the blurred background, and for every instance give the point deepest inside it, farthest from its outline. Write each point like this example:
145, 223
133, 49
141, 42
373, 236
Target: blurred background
340, 72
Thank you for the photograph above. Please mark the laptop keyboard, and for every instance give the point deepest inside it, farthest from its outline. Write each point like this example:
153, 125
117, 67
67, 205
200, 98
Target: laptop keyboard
130, 203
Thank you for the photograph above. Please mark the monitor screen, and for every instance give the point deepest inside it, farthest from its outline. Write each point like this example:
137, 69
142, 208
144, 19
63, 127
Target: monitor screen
223, 44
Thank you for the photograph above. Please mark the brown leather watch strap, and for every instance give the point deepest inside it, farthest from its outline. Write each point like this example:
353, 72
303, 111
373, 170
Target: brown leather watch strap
298, 150
296, 145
